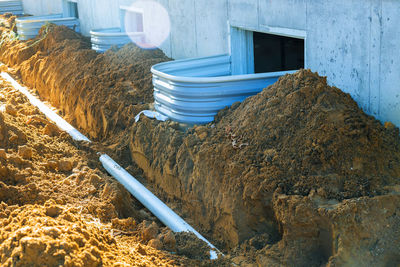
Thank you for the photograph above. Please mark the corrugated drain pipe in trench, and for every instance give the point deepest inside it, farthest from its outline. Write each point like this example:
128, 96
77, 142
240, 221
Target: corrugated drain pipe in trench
141, 193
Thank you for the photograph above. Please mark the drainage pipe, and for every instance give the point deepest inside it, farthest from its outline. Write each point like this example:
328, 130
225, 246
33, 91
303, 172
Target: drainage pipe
61, 123
141, 193
158, 208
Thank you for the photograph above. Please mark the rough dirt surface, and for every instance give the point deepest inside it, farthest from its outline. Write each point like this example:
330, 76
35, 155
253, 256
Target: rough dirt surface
297, 175
8, 20
59, 235
119, 82
282, 170
297, 137
58, 208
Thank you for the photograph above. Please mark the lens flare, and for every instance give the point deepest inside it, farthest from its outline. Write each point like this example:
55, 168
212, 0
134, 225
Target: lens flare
147, 24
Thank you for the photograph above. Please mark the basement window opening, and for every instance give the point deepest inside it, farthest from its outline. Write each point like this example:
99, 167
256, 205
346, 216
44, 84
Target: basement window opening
132, 19
277, 53
136, 22
71, 9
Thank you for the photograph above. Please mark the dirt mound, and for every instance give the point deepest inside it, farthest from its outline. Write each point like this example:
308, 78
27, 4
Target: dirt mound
57, 207
55, 235
301, 134
296, 174
50, 235
8, 20
99, 93
39, 162
297, 137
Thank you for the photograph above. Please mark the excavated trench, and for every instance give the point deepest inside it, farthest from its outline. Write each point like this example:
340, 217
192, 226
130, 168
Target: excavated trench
57, 208
297, 175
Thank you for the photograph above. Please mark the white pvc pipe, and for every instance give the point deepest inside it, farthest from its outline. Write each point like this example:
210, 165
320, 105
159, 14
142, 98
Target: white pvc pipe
150, 201
61, 123
141, 193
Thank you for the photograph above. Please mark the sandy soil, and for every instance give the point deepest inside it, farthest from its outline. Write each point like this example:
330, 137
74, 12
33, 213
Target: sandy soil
58, 208
297, 175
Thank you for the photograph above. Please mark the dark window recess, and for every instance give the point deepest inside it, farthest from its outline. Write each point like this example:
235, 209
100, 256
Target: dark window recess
277, 53
73, 9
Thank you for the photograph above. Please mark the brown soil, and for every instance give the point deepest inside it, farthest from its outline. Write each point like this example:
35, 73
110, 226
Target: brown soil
118, 81
60, 235
298, 136
297, 175
58, 208
8, 20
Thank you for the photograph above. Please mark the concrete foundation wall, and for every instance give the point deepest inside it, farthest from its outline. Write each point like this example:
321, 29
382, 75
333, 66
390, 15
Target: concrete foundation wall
355, 43
42, 7
98, 14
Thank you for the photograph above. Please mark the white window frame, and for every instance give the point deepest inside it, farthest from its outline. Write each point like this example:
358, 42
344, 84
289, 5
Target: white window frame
138, 11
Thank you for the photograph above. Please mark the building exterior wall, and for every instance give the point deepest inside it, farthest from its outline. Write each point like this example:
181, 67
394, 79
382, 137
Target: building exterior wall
98, 14
355, 43
42, 7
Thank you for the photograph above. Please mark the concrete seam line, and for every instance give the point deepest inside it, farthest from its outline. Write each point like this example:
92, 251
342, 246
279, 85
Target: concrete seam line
140, 192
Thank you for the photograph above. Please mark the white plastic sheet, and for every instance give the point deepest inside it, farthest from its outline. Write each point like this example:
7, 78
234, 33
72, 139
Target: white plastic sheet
151, 114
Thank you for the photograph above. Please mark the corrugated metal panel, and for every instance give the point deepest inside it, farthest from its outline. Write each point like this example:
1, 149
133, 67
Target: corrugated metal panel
104, 39
14, 7
193, 91
28, 27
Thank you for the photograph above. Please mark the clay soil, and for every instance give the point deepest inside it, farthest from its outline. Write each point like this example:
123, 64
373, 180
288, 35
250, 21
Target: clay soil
297, 175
